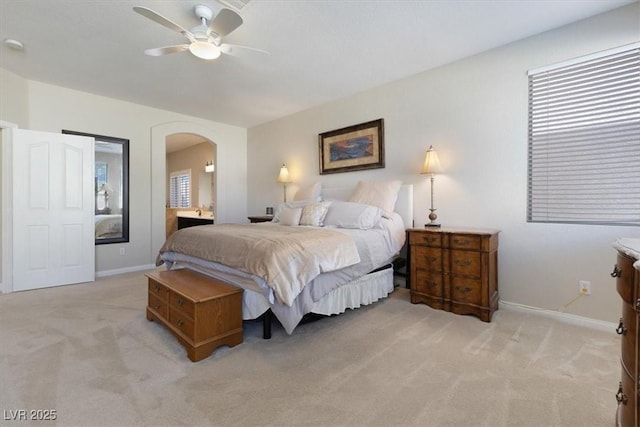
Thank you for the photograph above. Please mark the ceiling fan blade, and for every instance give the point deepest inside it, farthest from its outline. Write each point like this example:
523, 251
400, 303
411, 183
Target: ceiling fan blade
229, 48
156, 17
225, 22
159, 51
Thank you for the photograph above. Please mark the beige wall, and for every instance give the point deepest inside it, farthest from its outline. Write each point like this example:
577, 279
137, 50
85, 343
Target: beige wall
474, 112
53, 108
14, 99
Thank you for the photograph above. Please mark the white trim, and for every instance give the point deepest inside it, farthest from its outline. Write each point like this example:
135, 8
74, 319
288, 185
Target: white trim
585, 58
117, 271
6, 125
7, 204
559, 316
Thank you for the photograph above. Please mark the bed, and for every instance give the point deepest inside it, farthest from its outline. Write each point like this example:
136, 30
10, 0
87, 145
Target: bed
331, 284
108, 226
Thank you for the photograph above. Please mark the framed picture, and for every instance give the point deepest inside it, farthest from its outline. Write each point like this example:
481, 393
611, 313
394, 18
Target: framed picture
352, 148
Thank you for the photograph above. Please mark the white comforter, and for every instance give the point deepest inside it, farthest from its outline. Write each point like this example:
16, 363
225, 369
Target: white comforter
107, 225
287, 258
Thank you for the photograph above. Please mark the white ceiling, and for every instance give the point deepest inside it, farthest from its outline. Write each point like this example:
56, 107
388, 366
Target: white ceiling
321, 50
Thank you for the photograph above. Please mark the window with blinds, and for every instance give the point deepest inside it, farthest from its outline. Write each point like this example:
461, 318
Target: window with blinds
180, 189
584, 140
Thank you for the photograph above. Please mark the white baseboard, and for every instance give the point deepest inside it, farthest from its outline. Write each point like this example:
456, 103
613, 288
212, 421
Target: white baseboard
106, 273
562, 317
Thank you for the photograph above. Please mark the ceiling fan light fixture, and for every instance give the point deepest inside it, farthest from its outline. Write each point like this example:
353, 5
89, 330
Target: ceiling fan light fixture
204, 50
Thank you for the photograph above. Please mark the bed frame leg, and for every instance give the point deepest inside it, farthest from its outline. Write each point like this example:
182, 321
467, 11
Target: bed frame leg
266, 324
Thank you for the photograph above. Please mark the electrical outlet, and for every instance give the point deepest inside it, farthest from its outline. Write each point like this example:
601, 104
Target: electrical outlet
585, 287
121, 251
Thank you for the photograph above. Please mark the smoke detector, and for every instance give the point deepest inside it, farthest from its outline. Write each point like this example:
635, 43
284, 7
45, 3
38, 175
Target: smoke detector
14, 44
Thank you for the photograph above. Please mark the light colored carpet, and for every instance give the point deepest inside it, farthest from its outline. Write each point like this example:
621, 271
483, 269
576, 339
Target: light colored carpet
88, 352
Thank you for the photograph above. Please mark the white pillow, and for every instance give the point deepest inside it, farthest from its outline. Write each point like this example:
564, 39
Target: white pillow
382, 194
352, 215
314, 213
276, 215
290, 216
309, 193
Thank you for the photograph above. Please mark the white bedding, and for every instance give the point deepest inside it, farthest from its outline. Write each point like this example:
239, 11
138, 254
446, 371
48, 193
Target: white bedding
376, 247
107, 225
287, 258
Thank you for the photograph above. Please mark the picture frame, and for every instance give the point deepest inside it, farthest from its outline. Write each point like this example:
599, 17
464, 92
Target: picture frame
352, 148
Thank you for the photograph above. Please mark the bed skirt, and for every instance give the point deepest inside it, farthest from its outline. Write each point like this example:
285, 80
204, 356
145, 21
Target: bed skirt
356, 293
362, 291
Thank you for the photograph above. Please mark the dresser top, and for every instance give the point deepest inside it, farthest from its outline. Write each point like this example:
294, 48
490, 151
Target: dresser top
457, 230
630, 247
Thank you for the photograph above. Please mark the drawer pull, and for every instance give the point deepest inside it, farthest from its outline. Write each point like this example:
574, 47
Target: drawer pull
157, 288
461, 241
621, 330
638, 304
180, 301
158, 306
464, 262
181, 322
620, 396
617, 271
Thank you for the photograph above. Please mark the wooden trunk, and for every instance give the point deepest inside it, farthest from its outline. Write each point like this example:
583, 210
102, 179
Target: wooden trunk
202, 312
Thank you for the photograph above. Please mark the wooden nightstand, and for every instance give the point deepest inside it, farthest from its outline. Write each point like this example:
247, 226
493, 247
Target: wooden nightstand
260, 218
454, 270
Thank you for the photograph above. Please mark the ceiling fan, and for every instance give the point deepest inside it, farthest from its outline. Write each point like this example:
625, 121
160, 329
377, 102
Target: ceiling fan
205, 40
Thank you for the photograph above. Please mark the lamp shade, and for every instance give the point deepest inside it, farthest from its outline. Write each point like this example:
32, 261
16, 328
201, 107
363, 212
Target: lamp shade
284, 177
106, 188
431, 162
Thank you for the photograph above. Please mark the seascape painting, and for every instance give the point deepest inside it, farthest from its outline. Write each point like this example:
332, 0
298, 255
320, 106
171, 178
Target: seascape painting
352, 148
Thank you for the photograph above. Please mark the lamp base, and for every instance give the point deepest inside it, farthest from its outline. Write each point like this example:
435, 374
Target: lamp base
432, 217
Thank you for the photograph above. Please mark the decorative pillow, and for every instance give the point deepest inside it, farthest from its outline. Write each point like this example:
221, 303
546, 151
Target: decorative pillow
382, 194
309, 193
352, 215
290, 216
314, 213
276, 215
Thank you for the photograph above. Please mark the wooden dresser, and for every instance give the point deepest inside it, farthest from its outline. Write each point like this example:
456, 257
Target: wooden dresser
628, 286
202, 312
454, 269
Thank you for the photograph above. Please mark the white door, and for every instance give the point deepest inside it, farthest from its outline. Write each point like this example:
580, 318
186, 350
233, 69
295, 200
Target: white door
53, 209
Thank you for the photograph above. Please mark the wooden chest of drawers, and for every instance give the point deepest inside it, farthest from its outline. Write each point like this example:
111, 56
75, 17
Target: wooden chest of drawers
454, 270
202, 312
628, 286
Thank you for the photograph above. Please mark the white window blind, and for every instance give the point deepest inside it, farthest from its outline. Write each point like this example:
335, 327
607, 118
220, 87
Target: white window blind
180, 189
584, 140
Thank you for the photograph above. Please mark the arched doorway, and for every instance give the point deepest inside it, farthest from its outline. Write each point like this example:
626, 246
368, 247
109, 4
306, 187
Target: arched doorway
230, 174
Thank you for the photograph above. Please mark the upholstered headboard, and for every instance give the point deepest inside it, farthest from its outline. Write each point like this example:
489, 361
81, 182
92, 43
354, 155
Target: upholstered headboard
404, 204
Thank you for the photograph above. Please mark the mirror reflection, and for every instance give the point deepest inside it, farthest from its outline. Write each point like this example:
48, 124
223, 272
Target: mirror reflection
111, 183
